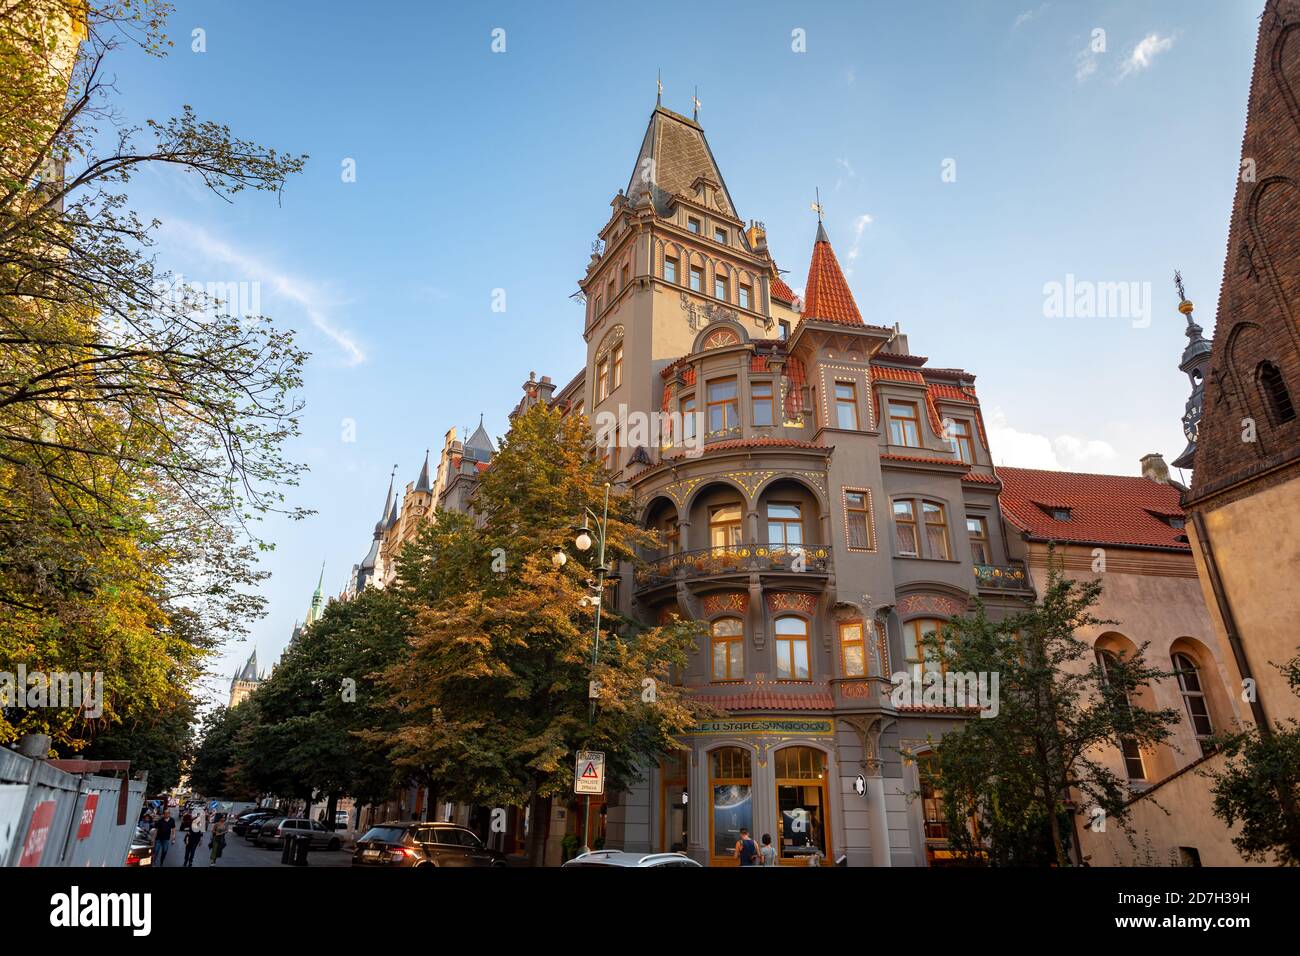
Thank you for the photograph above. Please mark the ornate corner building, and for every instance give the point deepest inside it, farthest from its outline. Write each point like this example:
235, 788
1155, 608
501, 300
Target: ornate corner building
824, 499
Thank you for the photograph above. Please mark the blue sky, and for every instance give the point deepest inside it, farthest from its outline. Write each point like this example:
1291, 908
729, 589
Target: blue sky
478, 170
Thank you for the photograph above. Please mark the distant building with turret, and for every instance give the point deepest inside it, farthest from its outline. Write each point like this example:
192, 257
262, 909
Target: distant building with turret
244, 681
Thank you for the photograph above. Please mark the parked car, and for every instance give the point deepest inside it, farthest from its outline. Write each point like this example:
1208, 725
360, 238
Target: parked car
423, 844
623, 858
252, 819
341, 821
273, 832
141, 851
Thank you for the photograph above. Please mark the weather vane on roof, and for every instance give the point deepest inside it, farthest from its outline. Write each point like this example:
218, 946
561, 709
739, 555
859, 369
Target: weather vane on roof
817, 206
1178, 284
695, 99
659, 82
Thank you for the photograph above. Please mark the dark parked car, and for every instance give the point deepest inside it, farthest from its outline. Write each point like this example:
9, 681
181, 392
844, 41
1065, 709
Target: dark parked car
141, 851
274, 831
423, 844
251, 819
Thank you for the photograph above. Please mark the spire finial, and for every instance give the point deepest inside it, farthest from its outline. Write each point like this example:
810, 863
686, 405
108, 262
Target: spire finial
817, 206
695, 100
659, 82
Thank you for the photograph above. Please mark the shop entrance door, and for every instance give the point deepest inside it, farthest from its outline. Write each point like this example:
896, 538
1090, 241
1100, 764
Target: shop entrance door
803, 810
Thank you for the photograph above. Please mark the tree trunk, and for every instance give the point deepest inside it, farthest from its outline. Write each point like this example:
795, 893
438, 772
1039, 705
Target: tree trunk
538, 823
331, 809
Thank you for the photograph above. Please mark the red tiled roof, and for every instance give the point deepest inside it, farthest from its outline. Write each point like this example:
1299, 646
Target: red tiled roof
826, 295
770, 700
1104, 509
982, 479
763, 443
780, 290
897, 374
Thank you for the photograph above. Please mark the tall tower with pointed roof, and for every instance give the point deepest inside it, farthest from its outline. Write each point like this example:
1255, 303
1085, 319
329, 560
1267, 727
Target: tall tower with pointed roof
244, 681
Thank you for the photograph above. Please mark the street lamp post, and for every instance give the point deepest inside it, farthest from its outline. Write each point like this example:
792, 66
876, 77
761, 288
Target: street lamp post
583, 543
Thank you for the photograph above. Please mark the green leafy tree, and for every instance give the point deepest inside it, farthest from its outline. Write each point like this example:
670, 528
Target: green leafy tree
1260, 786
1013, 774
141, 424
321, 696
493, 697
217, 770
161, 745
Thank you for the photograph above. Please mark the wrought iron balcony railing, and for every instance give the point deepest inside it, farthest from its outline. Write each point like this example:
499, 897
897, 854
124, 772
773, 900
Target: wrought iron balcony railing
707, 562
1002, 577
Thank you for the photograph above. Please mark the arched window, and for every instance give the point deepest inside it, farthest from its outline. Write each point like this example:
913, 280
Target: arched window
1133, 765
792, 648
731, 793
1275, 392
728, 649
1189, 685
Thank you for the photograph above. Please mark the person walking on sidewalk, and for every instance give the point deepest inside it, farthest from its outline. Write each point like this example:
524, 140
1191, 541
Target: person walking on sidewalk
217, 842
164, 836
198, 823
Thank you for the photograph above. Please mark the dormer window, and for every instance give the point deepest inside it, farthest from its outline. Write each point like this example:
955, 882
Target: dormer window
693, 225
1055, 512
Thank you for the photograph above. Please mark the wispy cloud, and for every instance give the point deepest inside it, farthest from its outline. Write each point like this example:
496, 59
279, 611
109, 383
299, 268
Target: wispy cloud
1144, 54
307, 294
1021, 449
859, 227
1029, 15
1085, 64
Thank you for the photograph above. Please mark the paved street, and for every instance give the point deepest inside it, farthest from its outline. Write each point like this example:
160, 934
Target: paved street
239, 852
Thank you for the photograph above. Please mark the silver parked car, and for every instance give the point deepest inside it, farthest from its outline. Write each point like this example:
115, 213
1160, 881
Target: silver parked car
623, 858
274, 831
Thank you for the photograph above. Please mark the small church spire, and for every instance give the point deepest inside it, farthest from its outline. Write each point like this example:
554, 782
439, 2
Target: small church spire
696, 104
1194, 362
659, 82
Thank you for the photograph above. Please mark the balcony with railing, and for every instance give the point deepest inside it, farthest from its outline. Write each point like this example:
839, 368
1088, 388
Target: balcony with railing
735, 559
1001, 577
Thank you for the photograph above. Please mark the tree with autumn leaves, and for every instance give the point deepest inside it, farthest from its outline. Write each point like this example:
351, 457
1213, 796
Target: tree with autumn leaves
141, 425
492, 696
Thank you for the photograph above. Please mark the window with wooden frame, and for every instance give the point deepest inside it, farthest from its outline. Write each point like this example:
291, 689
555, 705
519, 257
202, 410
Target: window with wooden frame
853, 649
671, 269
846, 406
1189, 685
600, 305
978, 530
764, 406
719, 235
932, 810
1129, 749
624, 275
784, 525
746, 294
720, 288
672, 536
905, 539
959, 436
785, 329
725, 526
697, 278
791, 648
617, 365
857, 520
923, 657
936, 530
610, 292
904, 424
688, 419
728, 646
693, 225
602, 380
723, 408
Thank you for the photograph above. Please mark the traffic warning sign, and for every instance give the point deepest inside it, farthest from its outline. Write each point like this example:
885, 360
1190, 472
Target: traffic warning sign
589, 772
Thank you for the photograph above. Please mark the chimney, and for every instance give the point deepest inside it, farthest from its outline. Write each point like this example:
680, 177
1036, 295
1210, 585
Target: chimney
1154, 468
545, 388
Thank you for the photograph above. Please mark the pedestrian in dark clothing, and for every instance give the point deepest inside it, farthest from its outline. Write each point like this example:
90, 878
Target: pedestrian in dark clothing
164, 837
217, 842
194, 836
746, 849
